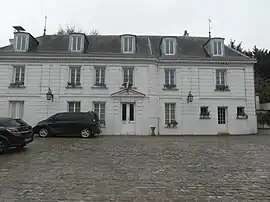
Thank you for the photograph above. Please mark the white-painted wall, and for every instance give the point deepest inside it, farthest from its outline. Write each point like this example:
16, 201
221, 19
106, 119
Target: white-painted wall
149, 79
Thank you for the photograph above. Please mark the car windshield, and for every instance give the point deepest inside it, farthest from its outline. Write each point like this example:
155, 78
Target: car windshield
12, 122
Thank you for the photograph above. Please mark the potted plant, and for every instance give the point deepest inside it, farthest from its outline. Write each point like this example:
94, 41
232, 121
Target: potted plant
172, 124
222, 87
169, 86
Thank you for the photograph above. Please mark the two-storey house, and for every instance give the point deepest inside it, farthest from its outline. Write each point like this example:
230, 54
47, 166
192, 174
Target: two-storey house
178, 84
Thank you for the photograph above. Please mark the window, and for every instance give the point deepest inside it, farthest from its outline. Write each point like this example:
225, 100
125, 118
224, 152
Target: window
99, 109
75, 76
218, 48
204, 111
169, 46
220, 77
169, 113
222, 115
100, 76
169, 77
18, 75
76, 43
16, 109
20, 44
128, 112
128, 76
128, 44
240, 111
74, 106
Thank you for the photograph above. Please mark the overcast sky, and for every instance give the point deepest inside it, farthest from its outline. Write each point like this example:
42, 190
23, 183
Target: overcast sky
241, 20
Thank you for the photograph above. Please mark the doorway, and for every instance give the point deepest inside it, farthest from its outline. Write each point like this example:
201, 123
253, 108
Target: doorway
222, 118
128, 118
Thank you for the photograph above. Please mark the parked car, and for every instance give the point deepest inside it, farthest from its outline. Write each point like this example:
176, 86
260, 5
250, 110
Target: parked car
14, 133
84, 124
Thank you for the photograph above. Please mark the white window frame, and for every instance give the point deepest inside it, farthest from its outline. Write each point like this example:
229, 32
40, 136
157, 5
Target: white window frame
129, 69
75, 37
74, 106
170, 104
171, 72
218, 47
14, 106
23, 47
100, 104
219, 76
21, 70
98, 79
130, 44
76, 74
172, 46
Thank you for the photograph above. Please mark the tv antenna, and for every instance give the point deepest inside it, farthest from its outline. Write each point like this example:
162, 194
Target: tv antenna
209, 27
45, 26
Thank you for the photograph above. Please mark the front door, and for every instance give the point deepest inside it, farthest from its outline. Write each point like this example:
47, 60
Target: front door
222, 119
128, 118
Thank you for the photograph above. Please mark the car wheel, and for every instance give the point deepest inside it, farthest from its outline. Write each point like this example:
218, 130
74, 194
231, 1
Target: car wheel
3, 146
85, 133
43, 132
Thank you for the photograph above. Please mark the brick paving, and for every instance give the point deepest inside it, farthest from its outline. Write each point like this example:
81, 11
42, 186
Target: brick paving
139, 169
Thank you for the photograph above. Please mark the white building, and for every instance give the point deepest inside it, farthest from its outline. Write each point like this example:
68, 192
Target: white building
87, 73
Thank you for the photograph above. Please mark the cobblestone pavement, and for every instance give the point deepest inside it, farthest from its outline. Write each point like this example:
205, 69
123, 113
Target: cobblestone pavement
139, 169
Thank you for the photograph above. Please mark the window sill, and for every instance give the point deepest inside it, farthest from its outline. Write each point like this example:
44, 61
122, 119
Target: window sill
170, 89
134, 88
69, 87
205, 117
175, 127
218, 90
241, 117
99, 87
16, 86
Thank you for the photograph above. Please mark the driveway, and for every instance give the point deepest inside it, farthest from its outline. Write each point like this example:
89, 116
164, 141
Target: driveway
139, 169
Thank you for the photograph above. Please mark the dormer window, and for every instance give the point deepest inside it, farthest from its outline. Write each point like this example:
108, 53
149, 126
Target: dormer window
169, 46
218, 47
76, 43
128, 44
21, 42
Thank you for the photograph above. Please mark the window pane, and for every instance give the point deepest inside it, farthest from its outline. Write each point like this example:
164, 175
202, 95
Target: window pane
167, 78
102, 113
167, 47
79, 40
172, 72
72, 72
215, 48
97, 75
130, 76
217, 77
19, 42
103, 75
125, 75
74, 43
17, 74
23, 42
131, 112
171, 46
125, 44
124, 112
78, 76
172, 112
219, 48
71, 107
130, 44
22, 74
167, 113
77, 106
222, 77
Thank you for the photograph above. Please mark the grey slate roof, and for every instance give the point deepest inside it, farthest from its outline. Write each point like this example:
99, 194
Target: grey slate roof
146, 46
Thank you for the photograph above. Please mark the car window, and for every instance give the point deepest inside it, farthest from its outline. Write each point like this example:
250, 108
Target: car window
12, 122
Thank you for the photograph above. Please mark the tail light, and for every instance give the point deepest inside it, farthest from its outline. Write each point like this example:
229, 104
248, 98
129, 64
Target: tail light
14, 131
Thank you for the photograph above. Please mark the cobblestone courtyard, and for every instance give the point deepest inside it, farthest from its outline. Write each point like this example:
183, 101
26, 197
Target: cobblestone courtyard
138, 169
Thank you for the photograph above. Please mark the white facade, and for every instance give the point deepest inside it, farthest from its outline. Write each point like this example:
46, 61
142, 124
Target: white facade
148, 99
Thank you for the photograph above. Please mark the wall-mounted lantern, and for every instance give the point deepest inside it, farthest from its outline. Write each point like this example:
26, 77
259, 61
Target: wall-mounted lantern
49, 95
189, 97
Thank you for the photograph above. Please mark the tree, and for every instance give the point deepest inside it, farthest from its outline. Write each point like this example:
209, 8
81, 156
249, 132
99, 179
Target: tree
73, 29
262, 69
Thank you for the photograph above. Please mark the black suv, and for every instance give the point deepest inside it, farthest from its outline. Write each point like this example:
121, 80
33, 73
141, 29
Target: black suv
84, 124
14, 133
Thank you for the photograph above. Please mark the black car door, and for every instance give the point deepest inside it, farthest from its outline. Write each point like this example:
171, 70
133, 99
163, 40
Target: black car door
59, 124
